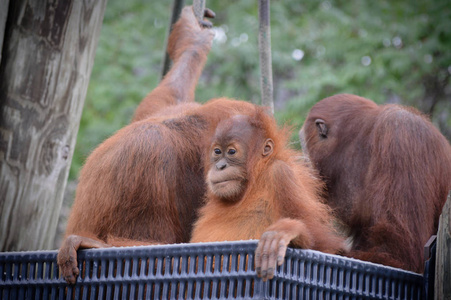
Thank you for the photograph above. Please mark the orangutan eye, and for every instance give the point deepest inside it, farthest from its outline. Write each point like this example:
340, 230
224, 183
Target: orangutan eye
231, 151
217, 151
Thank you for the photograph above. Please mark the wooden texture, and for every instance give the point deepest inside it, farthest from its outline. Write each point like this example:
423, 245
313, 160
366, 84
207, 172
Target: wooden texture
199, 8
4, 4
48, 54
443, 262
264, 46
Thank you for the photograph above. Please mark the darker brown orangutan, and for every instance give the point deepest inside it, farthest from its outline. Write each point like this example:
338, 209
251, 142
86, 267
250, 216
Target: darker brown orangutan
258, 189
387, 171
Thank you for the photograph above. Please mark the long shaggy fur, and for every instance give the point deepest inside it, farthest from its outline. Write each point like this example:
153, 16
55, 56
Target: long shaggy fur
388, 173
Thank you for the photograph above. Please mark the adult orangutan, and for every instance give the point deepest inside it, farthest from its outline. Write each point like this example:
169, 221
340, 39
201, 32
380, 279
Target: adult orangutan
387, 171
257, 187
144, 184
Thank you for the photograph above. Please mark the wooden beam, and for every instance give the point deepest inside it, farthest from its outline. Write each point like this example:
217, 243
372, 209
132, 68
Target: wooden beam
48, 54
264, 46
4, 4
443, 262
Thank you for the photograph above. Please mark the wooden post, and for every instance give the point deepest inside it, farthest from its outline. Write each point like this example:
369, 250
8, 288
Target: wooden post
199, 9
4, 4
264, 46
48, 54
443, 262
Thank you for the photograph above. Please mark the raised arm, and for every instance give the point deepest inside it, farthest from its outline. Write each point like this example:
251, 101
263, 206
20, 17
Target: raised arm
188, 46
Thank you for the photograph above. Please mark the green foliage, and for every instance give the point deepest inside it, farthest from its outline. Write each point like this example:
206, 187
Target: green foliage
388, 51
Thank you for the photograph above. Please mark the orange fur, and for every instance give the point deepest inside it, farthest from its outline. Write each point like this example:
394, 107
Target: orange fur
282, 195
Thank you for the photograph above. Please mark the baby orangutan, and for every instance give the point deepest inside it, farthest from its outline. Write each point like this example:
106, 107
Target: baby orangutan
258, 189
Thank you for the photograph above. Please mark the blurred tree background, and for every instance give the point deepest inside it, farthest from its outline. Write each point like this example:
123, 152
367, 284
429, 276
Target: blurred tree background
388, 51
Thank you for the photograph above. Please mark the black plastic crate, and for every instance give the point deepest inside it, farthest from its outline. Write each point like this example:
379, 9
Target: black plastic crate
201, 271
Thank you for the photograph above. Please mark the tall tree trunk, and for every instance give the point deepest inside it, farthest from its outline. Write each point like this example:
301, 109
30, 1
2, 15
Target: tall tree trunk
442, 289
47, 58
3, 14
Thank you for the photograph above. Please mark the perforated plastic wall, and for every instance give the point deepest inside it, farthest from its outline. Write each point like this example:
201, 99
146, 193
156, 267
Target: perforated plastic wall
201, 271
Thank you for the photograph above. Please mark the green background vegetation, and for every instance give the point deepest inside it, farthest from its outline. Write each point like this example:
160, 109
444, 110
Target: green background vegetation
388, 51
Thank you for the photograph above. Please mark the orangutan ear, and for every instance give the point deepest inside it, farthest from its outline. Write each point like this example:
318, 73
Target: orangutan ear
269, 147
321, 127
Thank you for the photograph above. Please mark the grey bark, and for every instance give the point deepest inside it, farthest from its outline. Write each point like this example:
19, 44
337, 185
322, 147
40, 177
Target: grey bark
442, 290
4, 4
264, 47
48, 53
